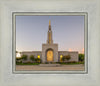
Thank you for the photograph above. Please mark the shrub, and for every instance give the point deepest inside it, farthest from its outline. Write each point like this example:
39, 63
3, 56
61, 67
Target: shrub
18, 59
32, 58
81, 57
67, 57
46, 63
72, 61
24, 57
38, 59
63, 58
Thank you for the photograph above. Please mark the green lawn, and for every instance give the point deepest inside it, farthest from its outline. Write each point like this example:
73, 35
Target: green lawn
62, 63
71, 63
27, 63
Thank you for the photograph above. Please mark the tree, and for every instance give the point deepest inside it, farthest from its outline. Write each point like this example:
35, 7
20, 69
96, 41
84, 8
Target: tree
66, 57
63, 58
24, 57
81, 57
18, 59
32, 58
16, 51
38, 59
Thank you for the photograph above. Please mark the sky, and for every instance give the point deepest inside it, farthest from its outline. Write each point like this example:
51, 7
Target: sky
67, 32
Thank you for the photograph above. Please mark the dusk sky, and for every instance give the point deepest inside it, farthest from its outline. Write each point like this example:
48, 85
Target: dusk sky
68, 32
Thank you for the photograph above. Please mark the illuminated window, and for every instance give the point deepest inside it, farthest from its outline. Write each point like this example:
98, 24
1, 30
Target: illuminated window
61, 58
38, 56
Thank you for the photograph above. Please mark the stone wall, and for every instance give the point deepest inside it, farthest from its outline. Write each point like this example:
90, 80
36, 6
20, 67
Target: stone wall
73, 54
34, 53
54, 47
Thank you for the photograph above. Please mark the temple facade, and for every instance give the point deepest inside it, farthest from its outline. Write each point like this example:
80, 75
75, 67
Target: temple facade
50, 51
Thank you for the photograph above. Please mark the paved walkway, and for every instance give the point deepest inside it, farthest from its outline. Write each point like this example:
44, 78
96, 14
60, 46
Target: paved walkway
62, 67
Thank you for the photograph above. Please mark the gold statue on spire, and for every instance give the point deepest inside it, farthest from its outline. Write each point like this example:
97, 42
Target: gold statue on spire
49, 22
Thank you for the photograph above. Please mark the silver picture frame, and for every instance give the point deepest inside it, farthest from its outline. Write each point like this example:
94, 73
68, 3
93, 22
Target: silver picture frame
9, 78
14, 14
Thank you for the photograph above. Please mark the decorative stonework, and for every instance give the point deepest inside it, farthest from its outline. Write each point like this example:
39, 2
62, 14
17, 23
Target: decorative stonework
54, 47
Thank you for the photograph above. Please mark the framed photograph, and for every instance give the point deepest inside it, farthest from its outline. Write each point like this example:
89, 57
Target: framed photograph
61, 27
49, 43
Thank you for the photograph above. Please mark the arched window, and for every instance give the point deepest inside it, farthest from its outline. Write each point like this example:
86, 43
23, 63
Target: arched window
50, 55
61, 58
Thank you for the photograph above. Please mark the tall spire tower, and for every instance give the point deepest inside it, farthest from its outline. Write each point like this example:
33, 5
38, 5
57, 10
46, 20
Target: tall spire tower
49, 39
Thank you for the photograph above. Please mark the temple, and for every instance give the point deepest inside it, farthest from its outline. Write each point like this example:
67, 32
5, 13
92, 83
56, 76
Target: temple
50, 51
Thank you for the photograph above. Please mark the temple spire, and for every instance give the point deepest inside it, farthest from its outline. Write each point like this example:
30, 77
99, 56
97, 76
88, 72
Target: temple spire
49, 38
49, 23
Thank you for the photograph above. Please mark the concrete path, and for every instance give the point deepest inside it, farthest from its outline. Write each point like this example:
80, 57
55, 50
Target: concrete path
39, 68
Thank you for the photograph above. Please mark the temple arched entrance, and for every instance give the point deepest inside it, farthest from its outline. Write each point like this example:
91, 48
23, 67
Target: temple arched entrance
49, 55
